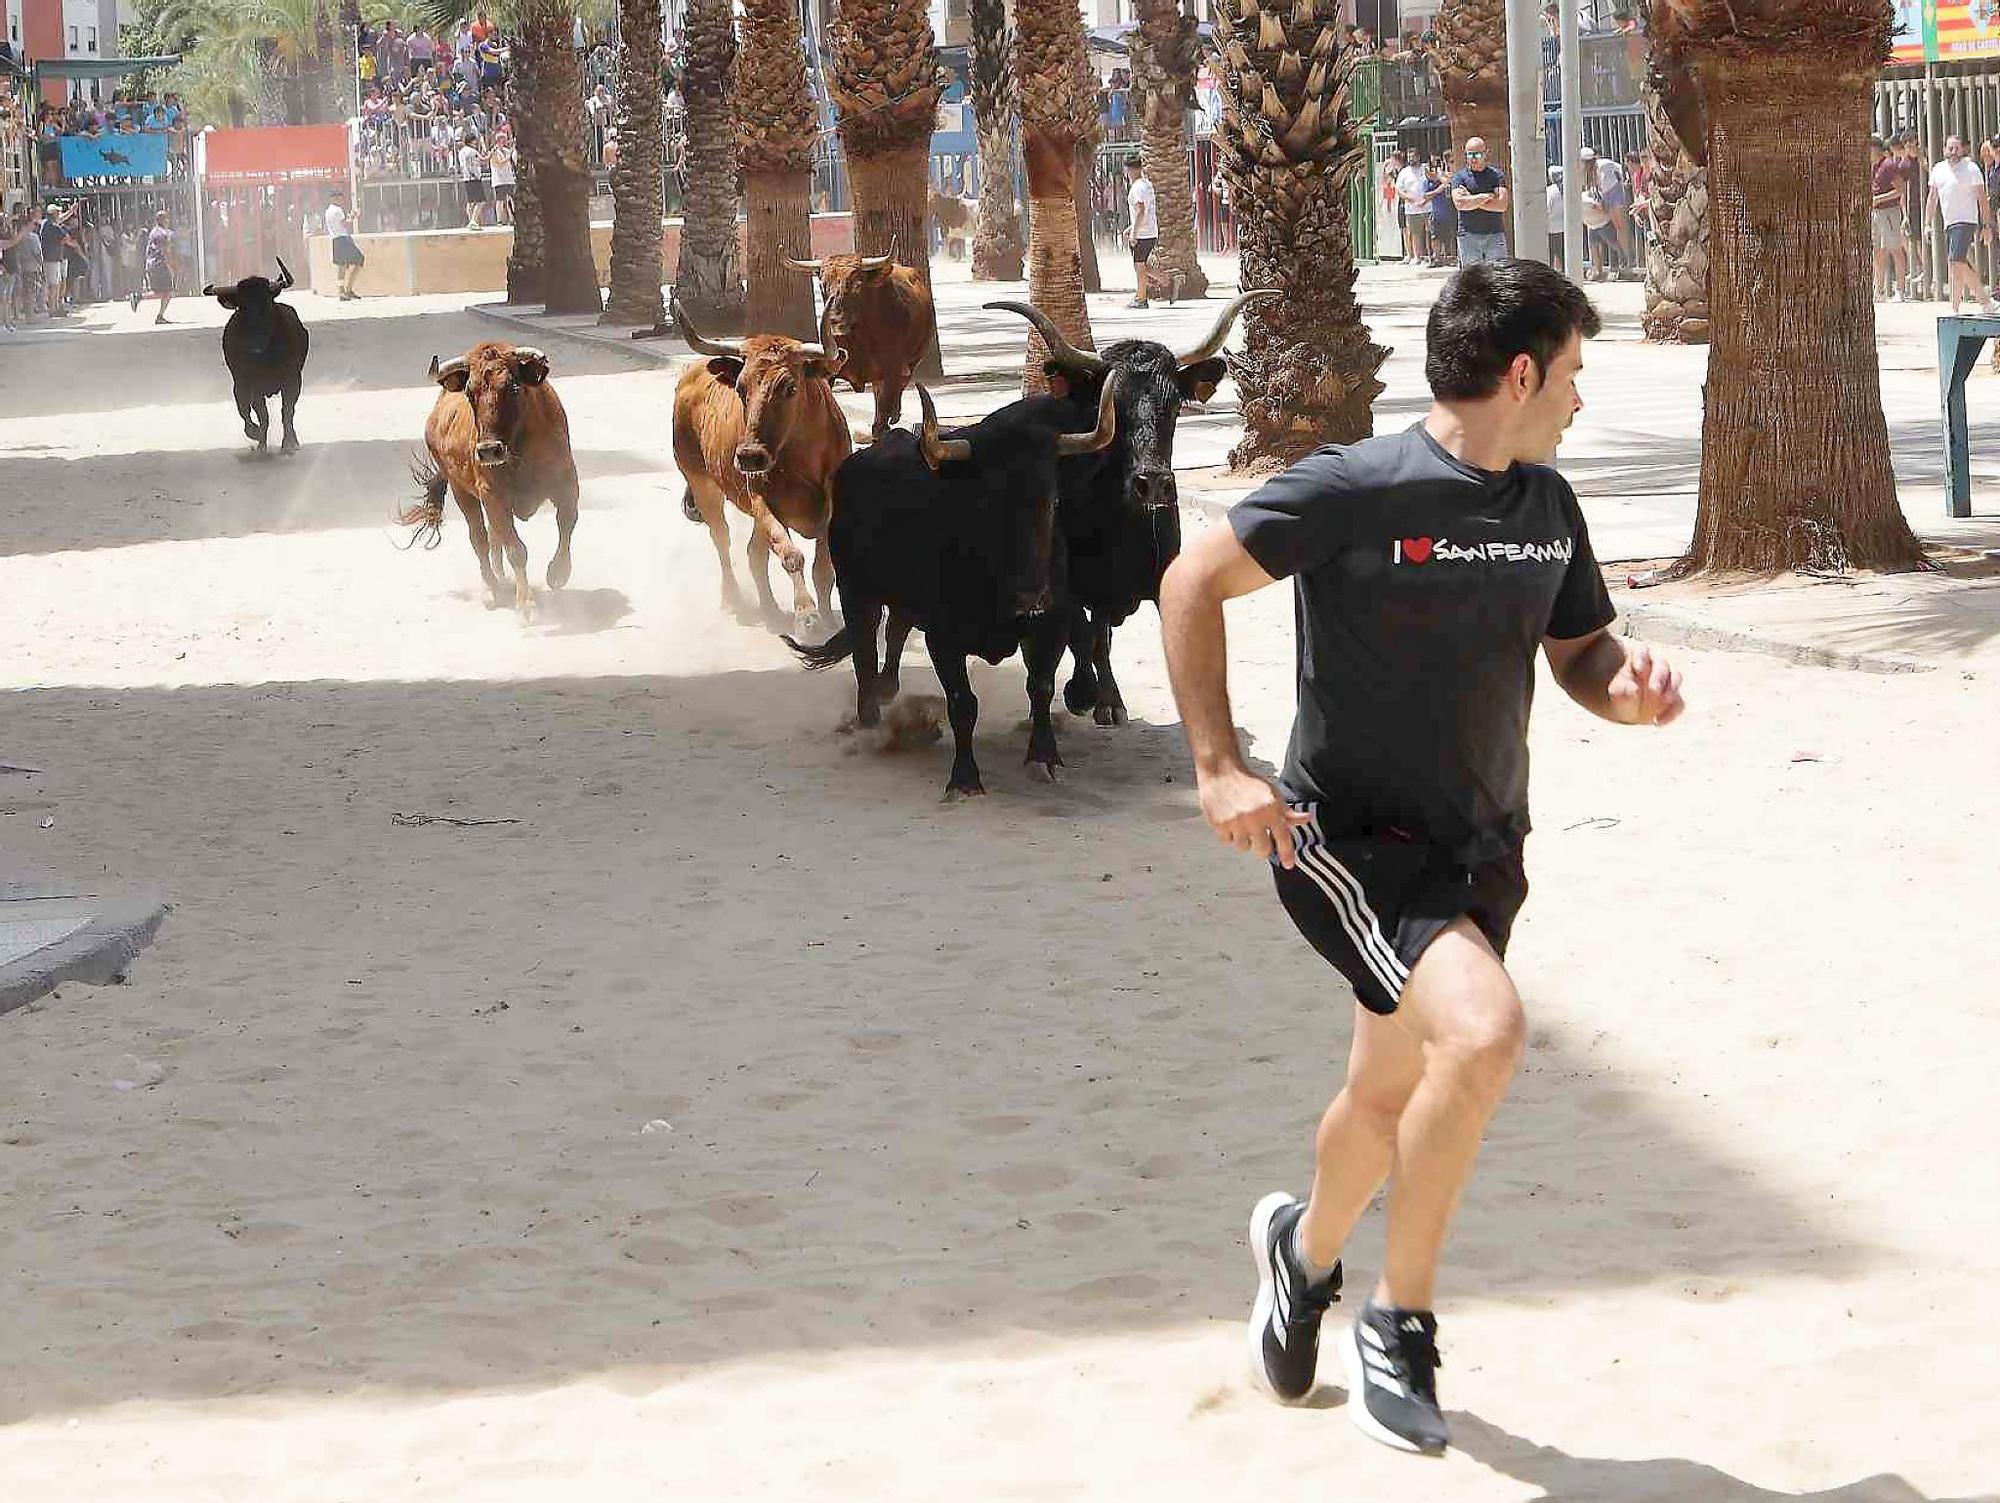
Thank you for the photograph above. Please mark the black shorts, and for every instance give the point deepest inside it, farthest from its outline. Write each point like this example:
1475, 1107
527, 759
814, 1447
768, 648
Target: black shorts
160, 279
1958, 240
346, 252
475, 190
1372, 903
1142, 250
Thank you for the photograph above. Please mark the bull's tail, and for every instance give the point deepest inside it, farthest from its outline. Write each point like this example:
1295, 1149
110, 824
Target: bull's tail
837, 648
427, 515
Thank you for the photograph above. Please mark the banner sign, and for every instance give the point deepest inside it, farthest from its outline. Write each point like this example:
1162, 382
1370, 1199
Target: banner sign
1945, 31
276, 154
113, 156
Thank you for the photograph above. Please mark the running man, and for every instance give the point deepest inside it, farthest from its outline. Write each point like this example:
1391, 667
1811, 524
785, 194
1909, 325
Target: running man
1430, 565
159, 266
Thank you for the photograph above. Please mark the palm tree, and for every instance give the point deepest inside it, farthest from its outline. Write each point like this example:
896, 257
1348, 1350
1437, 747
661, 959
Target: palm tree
1058, 109
1677, 258
885, 86
1164, 49
1289, 149
1086, 223
1470, 55
549, 127
1795, 470
776, 127
295, 44
637, 182
706, 281
996, 244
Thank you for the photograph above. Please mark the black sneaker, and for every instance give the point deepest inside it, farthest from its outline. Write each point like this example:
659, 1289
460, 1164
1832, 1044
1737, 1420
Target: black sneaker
1284, 1322
1392, 1362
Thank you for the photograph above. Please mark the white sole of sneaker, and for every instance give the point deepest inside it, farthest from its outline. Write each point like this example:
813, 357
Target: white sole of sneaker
1357, 1404
1260, 1309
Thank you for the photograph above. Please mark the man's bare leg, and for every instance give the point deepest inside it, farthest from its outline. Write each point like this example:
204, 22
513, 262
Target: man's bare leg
1461, 1002
1356, 1145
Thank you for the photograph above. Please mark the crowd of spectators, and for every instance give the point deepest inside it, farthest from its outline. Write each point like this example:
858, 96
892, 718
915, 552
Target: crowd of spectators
59, 258
129, 112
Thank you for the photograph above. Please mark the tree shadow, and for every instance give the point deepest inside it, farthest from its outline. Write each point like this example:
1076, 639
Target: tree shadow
1602, 1479
178, 495
931, 1071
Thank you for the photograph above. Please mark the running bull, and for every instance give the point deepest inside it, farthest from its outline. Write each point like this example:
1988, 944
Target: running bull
756, 424
881, 317
956, 534
264, 345
1120, 511
499, 441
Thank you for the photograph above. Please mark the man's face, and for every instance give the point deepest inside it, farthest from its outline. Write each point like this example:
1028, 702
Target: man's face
1475, 153
1550, 405
1953, 148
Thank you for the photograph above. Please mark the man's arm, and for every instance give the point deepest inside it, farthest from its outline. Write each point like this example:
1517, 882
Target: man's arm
1499, 199
1625, 684
1243, 810
1930, 209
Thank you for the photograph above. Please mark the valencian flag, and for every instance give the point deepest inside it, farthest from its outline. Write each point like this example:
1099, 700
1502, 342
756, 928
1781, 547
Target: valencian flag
1963, 28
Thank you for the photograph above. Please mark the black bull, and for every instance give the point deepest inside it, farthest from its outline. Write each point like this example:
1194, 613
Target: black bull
1120, 508
956, 533
264, 345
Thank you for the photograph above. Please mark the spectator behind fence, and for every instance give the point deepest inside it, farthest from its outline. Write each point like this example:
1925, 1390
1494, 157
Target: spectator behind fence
1885, 218
1479, 193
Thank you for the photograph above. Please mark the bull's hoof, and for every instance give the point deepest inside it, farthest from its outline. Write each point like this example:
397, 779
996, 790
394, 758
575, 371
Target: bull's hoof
1044, 772
806, 626
1111, 714
526, 611
558, 574
255, 434
290, 445
1080, 695
887, 688
959, 788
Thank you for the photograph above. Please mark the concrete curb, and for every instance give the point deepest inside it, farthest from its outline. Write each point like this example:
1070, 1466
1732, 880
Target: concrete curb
99, 952
1670, 627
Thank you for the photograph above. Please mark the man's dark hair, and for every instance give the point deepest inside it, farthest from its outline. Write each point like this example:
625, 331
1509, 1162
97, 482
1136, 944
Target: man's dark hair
1492, 311
1135, 164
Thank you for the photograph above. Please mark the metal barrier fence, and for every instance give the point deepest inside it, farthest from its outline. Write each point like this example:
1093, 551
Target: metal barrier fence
1966, 105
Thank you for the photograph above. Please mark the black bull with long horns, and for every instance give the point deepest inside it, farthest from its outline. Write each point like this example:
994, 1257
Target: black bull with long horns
1120, 509
264, 345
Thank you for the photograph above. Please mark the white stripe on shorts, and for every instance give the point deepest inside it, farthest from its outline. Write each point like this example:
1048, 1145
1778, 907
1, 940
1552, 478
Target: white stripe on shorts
1350, 905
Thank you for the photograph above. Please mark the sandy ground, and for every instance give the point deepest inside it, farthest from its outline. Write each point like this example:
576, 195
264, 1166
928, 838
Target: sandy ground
957, 1112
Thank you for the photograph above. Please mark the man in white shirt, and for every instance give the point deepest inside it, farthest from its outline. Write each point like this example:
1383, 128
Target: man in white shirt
1416, 214
1145, 231
472, 178
347, 257
1960, 188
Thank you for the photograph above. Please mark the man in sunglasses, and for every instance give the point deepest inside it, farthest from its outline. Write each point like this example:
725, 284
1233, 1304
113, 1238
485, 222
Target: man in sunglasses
1479, 193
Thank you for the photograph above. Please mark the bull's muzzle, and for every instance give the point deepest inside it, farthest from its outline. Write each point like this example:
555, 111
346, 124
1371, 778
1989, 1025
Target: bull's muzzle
753, 459
490, 452
1153, 490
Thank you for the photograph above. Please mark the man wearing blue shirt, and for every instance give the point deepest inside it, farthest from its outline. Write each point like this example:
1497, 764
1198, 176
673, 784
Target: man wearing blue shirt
1479, 193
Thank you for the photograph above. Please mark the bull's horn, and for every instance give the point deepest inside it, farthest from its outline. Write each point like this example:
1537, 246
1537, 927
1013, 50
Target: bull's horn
733, 349
434, 368
801, 265
531, 352
1216, 335
876, 263
834, 356
284, 273
937, 450
442, 373
219, 289
1084, 362
1107, 423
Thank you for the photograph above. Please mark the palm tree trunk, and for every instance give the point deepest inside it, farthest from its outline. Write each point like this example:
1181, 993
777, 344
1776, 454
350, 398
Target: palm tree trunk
637, 186
776, 128
996, 244
524, 258
1677, 256
1052, 80
707, 280
884, 84
1795, 467
1163, 54
1470, 55
562, 173
1086, 214
1306, 375
1289, 149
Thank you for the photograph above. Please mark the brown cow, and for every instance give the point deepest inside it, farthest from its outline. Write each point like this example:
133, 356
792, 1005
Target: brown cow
499, 441
880, 315
757, 424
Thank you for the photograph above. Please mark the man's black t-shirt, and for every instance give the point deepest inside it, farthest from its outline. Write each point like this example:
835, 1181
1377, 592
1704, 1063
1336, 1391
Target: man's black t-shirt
1424, 589
1485, 180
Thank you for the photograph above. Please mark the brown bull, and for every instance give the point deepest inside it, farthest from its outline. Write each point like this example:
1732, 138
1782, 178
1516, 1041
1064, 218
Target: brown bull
881, 317
757, 424
499, 441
